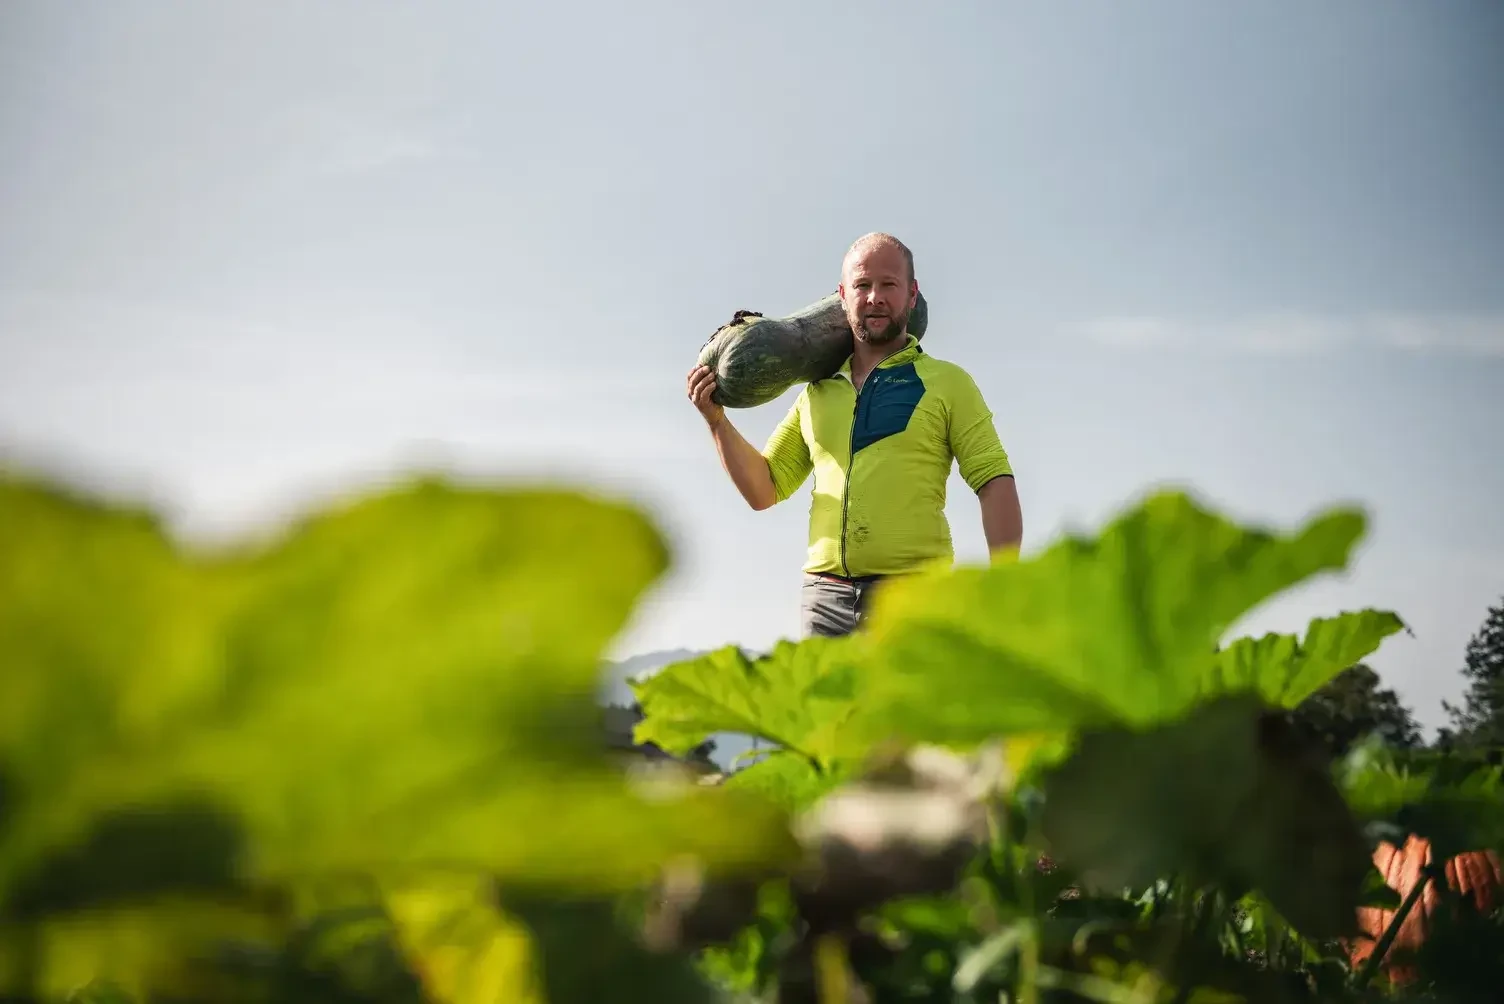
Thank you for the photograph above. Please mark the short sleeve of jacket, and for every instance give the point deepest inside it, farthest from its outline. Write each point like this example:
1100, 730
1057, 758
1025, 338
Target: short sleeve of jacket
973, 437
787, 452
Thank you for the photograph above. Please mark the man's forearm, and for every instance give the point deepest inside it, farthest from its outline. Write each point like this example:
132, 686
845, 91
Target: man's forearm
745, 464
1002, 516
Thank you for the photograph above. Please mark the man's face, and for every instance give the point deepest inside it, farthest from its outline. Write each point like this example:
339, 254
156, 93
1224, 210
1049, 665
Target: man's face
878, 294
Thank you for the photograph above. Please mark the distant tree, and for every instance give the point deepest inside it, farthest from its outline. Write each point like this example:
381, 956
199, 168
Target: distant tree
1351, 706
1478, 725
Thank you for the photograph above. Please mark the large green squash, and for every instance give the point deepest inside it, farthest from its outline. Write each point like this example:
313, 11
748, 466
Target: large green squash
757, 358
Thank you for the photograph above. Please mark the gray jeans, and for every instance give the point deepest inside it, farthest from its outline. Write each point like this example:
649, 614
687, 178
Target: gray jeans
833, 607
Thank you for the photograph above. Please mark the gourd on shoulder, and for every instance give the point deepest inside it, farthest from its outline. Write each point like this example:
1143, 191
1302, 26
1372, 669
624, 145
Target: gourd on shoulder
756, 358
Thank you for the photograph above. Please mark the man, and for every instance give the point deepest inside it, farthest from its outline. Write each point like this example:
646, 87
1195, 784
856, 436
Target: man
880, 437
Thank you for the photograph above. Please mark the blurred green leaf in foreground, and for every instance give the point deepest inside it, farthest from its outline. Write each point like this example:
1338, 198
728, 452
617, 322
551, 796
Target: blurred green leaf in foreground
402, 685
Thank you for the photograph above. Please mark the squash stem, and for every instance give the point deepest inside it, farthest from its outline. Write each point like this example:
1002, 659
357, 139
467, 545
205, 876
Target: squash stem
1381, 949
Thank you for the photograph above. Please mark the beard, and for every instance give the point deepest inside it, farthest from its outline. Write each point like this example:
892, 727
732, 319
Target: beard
897, 321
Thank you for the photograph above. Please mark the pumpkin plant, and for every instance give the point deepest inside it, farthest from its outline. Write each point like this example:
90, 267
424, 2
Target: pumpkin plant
1097, 666
372, 740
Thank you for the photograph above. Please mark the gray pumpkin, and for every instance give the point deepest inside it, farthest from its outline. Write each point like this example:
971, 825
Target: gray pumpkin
757, 358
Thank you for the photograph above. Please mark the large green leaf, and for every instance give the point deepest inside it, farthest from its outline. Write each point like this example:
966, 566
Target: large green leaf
154, 951
788, 779
1375, 785
1113, 629
1461, 814
796, 696
1284, 670
406, 681
1225, 794
104, 634
1455, 803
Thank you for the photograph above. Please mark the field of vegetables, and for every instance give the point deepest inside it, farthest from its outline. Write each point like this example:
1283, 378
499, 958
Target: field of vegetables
363, 762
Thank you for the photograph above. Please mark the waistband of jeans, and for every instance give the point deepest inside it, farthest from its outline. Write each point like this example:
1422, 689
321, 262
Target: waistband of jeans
858, 580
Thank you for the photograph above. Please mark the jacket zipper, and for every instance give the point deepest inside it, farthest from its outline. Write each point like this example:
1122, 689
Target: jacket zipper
856, 407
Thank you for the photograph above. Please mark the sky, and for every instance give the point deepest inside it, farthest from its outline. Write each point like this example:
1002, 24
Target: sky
253, 254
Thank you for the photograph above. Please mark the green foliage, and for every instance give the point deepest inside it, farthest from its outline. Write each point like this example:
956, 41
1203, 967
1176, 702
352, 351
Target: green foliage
796, 696
363, 761
789, 780
399, 686
1285, 671
1454, 802
1223, 796
1478, 723
1165, 754
585, 954
1116, 630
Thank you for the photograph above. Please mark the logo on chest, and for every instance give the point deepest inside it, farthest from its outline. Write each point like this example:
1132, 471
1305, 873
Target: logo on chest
885, 406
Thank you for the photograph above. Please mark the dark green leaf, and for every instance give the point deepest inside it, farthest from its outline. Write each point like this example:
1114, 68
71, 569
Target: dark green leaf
1462, 815
134, 854
587, 954
1455, 804
1221, 796
167, 949
1378, 893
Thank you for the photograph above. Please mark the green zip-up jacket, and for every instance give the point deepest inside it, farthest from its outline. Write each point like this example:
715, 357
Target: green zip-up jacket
881, 460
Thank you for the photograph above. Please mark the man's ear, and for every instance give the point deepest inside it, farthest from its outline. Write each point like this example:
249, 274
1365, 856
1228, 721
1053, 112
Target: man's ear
913, 293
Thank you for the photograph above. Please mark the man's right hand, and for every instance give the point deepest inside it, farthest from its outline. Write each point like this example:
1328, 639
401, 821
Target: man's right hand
747, 466
701, 386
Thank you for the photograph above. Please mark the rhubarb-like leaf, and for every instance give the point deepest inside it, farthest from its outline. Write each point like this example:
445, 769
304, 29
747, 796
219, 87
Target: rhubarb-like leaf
401, 683
798, 696
1115, 629
1284, 670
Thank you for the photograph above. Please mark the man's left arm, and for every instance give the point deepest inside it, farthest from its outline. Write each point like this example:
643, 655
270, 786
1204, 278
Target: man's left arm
1002, 516
985, 468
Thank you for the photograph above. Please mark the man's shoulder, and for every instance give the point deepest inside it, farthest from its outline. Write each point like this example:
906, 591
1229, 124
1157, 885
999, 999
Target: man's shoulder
942, 373
834, 384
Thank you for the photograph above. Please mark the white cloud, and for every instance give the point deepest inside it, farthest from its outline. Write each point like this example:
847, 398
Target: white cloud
1294, 334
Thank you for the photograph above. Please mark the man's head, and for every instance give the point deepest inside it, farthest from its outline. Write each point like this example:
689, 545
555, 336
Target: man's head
878, 288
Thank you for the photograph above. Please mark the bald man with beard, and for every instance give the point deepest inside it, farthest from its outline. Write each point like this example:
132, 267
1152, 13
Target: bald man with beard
880, 437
